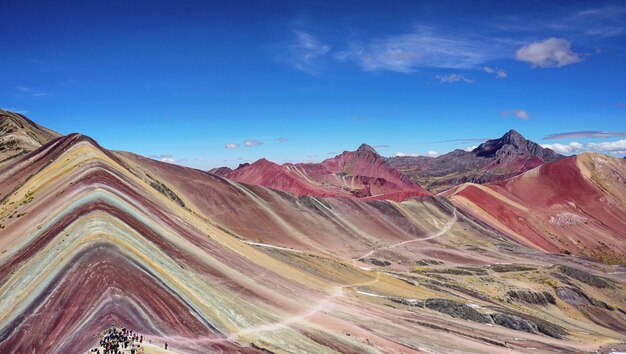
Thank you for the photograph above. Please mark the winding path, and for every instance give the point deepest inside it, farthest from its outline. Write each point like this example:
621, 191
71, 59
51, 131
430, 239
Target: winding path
325, 304
338, 290
443, 230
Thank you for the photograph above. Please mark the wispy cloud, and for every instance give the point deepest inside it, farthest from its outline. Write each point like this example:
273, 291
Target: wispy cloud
431, 153
620, 104
584, 134
519, 113
304, 52
468, 140
231, 146
381, 146
470, 148
600, 22
589, 23
450, 78
27, 91
252, 142
164, 158
281, 140
499, 72
550, 53
424, 47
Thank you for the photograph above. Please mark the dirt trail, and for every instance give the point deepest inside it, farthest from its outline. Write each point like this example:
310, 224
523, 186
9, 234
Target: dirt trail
441, 232
324, 305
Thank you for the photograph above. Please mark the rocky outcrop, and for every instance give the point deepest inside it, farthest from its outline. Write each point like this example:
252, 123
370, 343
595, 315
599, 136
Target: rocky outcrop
456, 309
19, 134
576, 297
585, 277
572, 296
163, 189
543, 326
505, 268
376, 262
427, 262
543, 298
514, 322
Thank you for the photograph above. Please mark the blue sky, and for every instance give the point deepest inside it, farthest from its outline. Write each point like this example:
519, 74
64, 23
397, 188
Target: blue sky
207, 83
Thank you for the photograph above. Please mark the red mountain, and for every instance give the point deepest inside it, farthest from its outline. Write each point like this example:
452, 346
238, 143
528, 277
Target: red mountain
359, 174
574, 205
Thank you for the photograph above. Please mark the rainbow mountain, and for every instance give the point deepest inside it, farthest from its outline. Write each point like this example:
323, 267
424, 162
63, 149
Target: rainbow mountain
91, 237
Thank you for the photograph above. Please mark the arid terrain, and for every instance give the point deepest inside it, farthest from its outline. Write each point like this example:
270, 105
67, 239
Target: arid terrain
509, 248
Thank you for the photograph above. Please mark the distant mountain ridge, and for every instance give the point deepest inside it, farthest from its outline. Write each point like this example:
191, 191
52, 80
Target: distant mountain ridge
493, 160
358, 174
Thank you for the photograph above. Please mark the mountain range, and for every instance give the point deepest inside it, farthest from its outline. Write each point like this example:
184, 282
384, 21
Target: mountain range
493, 160
514, 249
359, 174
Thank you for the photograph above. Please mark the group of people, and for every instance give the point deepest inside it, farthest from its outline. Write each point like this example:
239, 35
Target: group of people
116, 341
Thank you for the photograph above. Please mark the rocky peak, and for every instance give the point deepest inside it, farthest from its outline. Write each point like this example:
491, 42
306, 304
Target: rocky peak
242, 165
513, 143
366, 149
514, 138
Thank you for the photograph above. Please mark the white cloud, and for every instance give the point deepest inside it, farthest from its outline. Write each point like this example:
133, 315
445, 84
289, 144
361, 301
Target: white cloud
470, 148
453, 78
617, 147
305, 51
576, 145
430, 153
281, 140
568, 148
609, 146
519, 113
499, 72
550, 53
425, 47
403, 154
252, 142
231, 146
